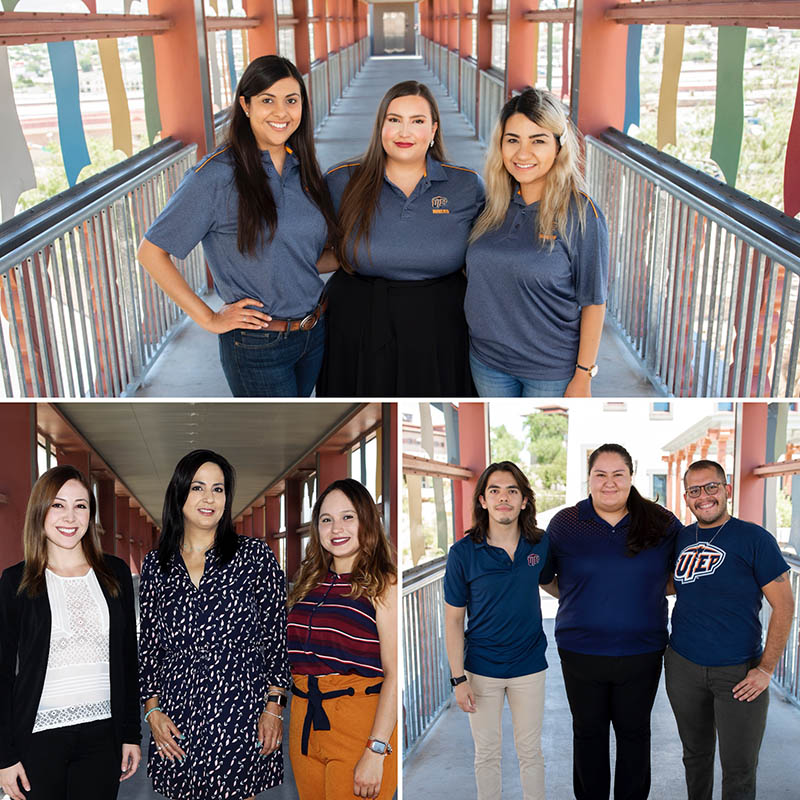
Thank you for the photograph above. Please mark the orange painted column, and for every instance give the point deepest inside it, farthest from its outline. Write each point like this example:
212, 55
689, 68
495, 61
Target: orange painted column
17, 475
132, 535
272, 523
751, 448
452, 24
263, 40
247, 523
258, 528
239, 527
332, 467
106, 510
179, 76
464, 29
302, 44
521, 46
293, 495
331, 15
80, 459
320, 32
599, 79
424, 18
473, 442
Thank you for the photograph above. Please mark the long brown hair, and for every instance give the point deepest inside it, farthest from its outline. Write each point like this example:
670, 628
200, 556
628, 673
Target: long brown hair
44, 492
361, 194
256, 204
374, 569
527, 516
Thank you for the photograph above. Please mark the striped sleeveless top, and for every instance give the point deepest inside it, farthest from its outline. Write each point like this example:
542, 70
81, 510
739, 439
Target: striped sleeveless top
331, 633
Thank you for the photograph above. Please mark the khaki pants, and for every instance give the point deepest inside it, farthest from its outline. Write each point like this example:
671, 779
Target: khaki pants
526, 700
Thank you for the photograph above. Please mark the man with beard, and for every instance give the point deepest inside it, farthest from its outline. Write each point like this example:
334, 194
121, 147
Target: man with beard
717, 673
493, 573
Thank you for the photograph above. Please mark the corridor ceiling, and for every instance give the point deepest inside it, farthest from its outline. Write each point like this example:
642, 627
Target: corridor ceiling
142, 442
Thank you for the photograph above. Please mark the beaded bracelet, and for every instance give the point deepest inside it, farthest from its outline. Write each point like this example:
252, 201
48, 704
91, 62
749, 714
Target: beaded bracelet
154, 708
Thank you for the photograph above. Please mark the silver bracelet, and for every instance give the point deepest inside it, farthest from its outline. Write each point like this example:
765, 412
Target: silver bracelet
768, 674
272, 714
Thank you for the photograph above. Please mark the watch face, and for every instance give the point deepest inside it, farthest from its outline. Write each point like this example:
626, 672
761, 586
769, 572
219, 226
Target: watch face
378, 747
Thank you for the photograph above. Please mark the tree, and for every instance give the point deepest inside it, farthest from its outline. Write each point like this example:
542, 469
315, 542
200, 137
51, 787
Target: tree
505, 446
546, 441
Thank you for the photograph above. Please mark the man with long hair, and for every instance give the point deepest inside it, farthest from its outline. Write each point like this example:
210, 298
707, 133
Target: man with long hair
493, 573
717, 672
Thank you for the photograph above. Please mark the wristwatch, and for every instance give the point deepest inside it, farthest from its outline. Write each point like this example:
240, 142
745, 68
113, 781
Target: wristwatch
379, 747
591, 370
456, 681
280, 699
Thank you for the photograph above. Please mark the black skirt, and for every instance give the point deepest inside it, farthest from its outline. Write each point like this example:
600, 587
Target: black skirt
396, 338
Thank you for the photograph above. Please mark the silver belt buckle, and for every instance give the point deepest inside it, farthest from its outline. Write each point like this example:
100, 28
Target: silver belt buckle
309, 322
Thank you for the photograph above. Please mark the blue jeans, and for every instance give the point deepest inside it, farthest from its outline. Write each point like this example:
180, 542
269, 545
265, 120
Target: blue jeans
272, 363
493, 383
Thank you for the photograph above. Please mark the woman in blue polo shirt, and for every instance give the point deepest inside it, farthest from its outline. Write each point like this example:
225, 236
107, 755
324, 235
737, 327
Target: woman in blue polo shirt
493, 576
262, 211
537, 264
612, 556
396, 323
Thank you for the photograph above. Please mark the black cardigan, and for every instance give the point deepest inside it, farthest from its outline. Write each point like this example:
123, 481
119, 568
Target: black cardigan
25, 647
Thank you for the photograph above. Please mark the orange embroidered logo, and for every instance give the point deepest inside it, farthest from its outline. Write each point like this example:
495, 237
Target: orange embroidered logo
439, 205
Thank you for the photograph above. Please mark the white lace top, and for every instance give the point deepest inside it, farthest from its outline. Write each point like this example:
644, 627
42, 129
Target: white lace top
76, 686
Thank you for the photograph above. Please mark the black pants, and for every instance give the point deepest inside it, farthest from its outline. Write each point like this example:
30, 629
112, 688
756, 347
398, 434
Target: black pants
611, 689
74, 763
705, 709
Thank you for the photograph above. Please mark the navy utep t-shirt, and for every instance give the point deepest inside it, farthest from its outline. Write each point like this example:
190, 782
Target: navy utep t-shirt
611, 603
718, 577
504, 637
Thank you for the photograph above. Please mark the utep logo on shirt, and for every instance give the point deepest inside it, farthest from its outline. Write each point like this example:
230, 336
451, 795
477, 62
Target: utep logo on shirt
533, 559
439, 205
697, 561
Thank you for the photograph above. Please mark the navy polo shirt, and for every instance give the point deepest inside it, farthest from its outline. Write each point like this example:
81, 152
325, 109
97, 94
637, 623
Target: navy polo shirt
718, 580
524, 300
504, 637
283, 273
421, 236
611, 604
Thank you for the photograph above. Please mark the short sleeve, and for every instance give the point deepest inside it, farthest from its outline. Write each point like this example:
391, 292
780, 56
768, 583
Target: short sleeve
150, 649
480, 195
188, 215
768, 562
337, 179
548, 573
455, 581
271, 598
590, 258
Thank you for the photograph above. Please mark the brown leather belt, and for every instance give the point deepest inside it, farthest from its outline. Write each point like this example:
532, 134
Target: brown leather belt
305, 324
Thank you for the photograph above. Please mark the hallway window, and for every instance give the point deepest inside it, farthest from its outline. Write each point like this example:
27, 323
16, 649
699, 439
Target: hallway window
475, 29
499, 45
286, 43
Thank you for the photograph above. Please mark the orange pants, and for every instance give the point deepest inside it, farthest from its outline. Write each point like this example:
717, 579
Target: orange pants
326, 771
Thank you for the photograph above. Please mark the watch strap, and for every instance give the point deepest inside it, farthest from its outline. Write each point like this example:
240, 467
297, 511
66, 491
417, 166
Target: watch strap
456, 681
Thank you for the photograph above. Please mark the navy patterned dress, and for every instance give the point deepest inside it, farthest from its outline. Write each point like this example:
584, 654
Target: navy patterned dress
209, 654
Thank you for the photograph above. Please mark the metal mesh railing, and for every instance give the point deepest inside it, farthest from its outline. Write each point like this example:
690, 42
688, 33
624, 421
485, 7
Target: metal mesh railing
453, 74
469, 75
711, 305
492, 97
319, 92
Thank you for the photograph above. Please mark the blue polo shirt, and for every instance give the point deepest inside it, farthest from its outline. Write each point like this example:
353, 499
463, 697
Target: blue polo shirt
718, 580
524, 301
504, 637
283, 273
611, 604
421, 236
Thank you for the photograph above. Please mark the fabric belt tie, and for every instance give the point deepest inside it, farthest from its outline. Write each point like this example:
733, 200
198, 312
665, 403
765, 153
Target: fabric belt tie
315, 713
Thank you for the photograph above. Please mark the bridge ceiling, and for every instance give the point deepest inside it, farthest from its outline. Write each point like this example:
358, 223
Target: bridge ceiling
142, 442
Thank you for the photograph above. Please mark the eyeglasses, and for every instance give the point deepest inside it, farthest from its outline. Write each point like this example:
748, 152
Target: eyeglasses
709, 488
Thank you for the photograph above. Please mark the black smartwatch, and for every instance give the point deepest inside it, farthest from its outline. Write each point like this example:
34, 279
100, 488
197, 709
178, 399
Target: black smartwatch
280, 699
456, 681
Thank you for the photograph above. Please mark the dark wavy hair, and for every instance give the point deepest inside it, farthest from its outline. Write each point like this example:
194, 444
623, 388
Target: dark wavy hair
527, 516
649, 521
374, 568
256, 203
360, 197
44, 492
226, 541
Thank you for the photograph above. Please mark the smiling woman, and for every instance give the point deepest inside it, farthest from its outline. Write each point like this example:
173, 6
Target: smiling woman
262, 211
69, 725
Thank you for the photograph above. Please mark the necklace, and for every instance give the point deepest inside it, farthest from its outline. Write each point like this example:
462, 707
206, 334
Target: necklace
697, 530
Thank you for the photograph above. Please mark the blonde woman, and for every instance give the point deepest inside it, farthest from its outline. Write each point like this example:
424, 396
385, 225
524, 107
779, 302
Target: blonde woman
69, 712
342, 638
537, 264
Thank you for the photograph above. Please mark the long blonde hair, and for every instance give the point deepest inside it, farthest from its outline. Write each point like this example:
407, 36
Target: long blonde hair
374, 569
42, 496
564, 185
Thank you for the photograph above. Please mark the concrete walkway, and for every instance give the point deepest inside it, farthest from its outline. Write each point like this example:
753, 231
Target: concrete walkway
442, 761
189, 365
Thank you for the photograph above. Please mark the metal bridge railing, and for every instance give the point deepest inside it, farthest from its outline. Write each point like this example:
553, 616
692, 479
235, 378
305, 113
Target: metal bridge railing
469, 75
787, 673
704, 282
80, 318
492, 95
334, 77
453, 74
426, 688
319, 92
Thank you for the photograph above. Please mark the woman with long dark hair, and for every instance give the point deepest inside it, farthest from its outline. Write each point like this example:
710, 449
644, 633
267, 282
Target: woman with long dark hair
343, 652
69, 716
612, 557
537, 264
262, 211
212, 652
396, 323
493, 575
